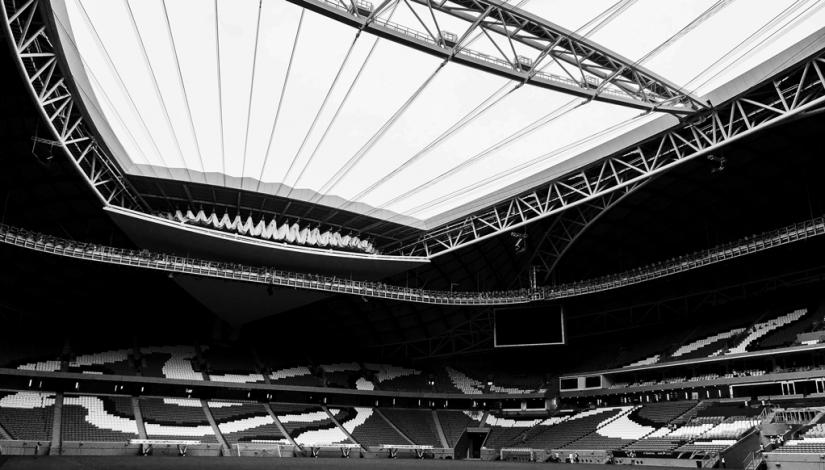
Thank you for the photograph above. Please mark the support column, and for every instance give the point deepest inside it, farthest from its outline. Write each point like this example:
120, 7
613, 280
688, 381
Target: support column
349, 436
483, 423
441, 436
141, 426
4, 434
280, 426
215, 428
392, 425
57, 425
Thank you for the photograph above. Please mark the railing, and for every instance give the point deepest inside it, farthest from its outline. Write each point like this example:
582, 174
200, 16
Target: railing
264, 275
238, 272
748, 245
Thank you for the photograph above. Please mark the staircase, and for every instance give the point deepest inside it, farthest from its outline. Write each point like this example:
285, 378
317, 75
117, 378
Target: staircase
753, 461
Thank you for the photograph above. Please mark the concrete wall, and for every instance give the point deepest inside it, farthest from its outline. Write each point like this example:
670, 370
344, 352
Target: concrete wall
24, 447
780, 461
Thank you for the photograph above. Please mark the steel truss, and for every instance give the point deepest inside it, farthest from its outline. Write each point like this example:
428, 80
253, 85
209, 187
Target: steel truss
797, 91
39, 62
589, 70
273, 277
565, 229
791, 93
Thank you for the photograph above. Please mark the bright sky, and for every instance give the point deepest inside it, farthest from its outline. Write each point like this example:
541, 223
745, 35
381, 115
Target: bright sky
197, 90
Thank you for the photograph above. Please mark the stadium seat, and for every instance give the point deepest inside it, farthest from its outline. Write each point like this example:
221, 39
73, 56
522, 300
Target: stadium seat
27, 415
418, 425
168, 418
88, 418
761, 329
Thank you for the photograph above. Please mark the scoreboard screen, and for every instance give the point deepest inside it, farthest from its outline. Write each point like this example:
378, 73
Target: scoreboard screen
528, 326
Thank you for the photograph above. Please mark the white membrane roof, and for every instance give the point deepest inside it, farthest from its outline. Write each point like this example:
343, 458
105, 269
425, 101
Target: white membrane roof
268, 97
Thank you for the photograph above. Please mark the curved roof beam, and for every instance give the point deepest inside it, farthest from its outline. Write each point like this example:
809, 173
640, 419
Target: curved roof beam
584, 68
789, 94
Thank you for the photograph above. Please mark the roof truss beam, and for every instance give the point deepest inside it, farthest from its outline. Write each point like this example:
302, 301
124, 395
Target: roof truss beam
589, 70
788, 95
38, 61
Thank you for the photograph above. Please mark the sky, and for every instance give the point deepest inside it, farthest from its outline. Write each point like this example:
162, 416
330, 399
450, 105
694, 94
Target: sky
266, 96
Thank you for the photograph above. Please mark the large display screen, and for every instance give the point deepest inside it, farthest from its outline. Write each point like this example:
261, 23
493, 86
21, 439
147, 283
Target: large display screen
529, 326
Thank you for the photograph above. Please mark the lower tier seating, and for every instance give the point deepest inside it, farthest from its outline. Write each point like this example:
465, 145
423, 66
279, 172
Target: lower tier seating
311, 426
87, 418
663, 412
706, 446
167, 418
245, 422
731, 428
27, 415
572, 429
506, 432
654, 444
375, 431
805, 445
615, 433
418, 425
453, 424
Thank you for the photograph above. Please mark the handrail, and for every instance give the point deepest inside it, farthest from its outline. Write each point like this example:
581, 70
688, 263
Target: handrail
264, 275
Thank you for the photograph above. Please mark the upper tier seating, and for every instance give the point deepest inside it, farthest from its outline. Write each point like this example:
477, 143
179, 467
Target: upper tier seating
343, 375
387, 372
418, 425
646, 361
472, 386
787, 335
761, 329
510, 382
27, 415
116, 361
171, 362
464, 383
706, 341
42, 366
732, 341
230, 365
407, 383
87, 418
300, 375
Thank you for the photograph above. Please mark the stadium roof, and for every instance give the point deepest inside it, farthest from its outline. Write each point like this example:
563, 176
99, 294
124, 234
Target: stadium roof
267, 96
